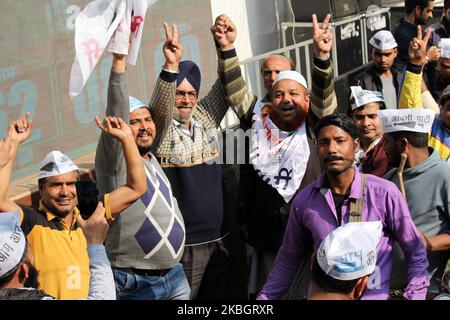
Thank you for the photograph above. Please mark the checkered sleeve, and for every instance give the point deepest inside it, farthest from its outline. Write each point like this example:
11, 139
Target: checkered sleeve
162, 105
229, 90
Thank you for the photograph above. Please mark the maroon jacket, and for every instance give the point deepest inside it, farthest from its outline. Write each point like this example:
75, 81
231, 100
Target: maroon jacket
376, 161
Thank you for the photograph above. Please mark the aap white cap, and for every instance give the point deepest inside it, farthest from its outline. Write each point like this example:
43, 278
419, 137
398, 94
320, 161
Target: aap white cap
415, 120
12, 242
350, 251
383, 40
56, 163
291, 75
136, 104
362, 97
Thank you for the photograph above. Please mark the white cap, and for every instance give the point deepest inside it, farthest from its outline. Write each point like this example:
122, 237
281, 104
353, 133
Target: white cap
350, 251
56, 163
136, 104
12, 242
291, 75
383, 40
445, 46
363, 97
415, 120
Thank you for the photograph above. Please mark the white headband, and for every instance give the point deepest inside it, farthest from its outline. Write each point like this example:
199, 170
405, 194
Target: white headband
414, 120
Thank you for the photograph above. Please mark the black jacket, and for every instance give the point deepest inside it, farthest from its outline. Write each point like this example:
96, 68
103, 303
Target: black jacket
369, 80
434, 84
403, 35
263, 209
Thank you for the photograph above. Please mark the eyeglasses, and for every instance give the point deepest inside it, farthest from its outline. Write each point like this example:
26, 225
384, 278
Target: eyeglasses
268, 73
181, 94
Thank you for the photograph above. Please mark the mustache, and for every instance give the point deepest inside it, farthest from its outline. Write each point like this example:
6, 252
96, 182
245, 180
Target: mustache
332, 158
145, 131
184, 105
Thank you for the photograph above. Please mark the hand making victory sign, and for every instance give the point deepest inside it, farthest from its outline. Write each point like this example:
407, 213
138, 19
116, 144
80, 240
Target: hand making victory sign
417, 50
172, 49
323, 38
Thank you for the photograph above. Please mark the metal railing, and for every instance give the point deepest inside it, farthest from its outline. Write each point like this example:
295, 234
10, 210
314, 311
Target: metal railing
299, 53
252, 66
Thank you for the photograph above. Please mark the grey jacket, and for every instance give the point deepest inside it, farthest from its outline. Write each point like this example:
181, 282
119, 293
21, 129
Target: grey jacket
149, 234
427, 188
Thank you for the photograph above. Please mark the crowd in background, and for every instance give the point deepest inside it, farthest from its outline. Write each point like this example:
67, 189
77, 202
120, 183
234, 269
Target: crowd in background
326, 206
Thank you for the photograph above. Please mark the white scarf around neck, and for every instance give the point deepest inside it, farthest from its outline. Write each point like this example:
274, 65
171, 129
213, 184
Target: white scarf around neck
279, 157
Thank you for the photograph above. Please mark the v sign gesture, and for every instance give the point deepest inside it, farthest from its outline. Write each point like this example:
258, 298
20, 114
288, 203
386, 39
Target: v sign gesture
172, 49
323, 38
417, 50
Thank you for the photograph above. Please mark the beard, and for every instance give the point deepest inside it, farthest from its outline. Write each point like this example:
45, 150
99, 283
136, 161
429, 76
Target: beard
380, 69
143, 150
182, 117
292, 121
421, 20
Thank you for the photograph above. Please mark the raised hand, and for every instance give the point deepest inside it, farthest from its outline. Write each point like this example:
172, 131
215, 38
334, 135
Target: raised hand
22, 130
417, 50
224, 32
96, 227
6, 147
115, 127
172, 49
434, 53
323, 38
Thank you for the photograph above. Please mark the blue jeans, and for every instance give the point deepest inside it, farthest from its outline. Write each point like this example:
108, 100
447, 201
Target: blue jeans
171, 286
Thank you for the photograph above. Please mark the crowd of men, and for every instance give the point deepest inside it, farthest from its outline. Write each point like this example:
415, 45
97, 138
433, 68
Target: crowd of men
328, 205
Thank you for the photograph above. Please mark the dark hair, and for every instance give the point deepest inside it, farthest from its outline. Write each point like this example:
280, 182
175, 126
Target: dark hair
410, 5
339, 120
416, 139
330, 284
446, 4
5, 279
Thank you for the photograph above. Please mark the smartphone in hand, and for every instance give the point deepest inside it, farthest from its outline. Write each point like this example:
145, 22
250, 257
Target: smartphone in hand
87, 194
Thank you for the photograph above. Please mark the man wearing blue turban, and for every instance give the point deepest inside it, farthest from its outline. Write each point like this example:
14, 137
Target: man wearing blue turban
189, 153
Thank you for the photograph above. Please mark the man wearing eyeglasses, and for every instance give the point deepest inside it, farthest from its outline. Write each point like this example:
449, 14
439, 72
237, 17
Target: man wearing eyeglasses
189, 154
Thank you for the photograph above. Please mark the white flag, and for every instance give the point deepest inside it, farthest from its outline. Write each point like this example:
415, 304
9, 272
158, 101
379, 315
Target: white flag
137, 24
95, 27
